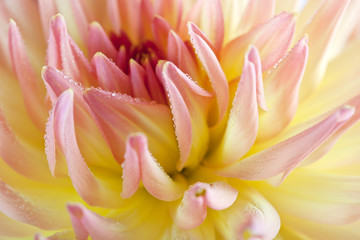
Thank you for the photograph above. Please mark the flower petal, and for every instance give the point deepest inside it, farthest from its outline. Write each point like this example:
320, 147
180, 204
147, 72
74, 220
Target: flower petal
12, 228
214, 71
276, 159
327, 18
114, 15
189, 104
251, 214
282, 87
32, 91
47, 9
160, 30
119, 115
171, 10
272, 38
242, 125
137, 79
31, 210
109, 76
87, 186
98, 41
193, 209
139, 164
63, 54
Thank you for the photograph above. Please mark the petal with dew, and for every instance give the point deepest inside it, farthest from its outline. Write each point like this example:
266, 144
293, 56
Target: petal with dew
189, 104
119, 115
109, 76
242, 125
282, 87
216, 75
192, 211
139, 164
276, 159
271, 38
85, 183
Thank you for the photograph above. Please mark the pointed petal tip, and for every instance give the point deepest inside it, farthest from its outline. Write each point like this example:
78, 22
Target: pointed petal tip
345, 113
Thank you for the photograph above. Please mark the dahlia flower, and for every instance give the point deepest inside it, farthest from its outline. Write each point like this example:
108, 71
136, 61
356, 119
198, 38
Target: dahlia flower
179, 119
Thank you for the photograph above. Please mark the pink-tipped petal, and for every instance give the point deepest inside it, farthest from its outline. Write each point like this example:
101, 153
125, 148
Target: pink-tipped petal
216, 75
114, 15
98, 41
109, 76
271, 38
155, 88
87, 223
87, 186
328, 18
179, 54
137, 79
212, 27
282, 87
192, 211
119, 115
64, 54
242, 125
195, 29
139, 164
32, 91
189, 104
160, 29
47, 9
285, 156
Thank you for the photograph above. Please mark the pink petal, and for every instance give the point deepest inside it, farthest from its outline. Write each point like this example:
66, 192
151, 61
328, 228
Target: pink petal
193, 209
195, 29
137, 79
272, 38
32, 91
87, 223
65, 55
114, 15
29, 210
139, 164
129, 12
282, 87
98, 41
119, 115
190, 104
212, 67
212, 27
87, 186
328, 18
47, 9
23, 160
109, 76
242, 125
160, 29
285, 156
180, 55
155, 88
147, 15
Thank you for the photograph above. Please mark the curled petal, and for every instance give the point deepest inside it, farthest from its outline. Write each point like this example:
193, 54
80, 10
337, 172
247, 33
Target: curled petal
87, 223
242, 125
214, 71
271, 38
190, 104
193, 209
285, 156
282, 87
119, 115
63, 133
139, 164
